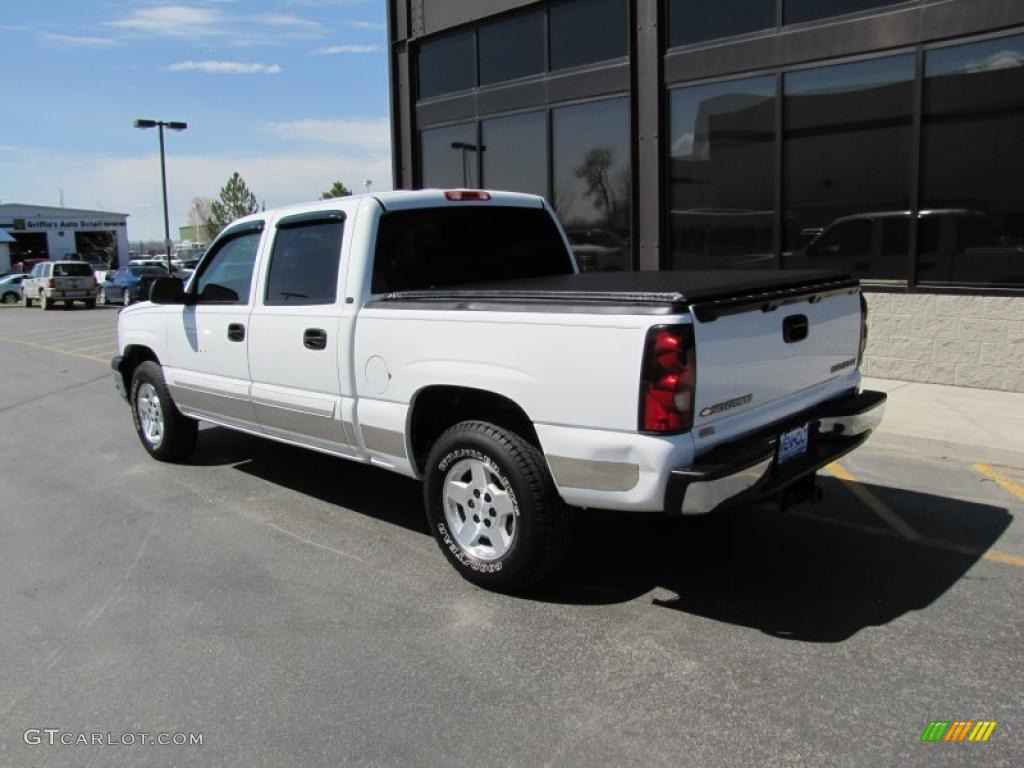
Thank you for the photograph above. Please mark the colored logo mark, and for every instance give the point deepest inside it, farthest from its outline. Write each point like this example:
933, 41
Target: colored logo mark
958, 730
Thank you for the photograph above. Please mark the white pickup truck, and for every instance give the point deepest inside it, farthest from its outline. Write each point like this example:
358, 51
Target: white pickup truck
446, 336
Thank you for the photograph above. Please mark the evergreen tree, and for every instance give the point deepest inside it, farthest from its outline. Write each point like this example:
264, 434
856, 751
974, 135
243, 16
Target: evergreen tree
236, 201
337, 190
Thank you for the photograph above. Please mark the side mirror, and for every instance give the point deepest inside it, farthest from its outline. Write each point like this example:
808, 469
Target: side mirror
167, 290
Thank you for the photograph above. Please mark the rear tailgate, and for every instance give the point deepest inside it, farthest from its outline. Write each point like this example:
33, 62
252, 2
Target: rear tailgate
72, 283
753, 353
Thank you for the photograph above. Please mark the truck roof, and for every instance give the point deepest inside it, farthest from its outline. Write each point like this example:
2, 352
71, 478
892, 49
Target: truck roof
400, 199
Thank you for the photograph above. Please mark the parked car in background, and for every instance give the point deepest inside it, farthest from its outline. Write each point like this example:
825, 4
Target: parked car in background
160, 262
67, 281
128, 285
10, 288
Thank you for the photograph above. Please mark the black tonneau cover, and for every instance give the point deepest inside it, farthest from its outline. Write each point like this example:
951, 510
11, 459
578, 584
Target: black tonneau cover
710, 292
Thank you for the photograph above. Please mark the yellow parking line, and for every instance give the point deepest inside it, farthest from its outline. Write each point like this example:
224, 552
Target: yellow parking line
991, 555
94, 358
1003, 482
108, 344
872, 502
60, 338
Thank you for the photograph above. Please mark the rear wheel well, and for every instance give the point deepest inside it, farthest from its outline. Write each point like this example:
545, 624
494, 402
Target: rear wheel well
437, 408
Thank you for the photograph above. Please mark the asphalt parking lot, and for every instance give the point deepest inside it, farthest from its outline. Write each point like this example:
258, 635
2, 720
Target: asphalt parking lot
293, 609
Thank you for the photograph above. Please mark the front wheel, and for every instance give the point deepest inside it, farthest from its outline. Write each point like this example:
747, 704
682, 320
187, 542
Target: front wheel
493, 507
10, 298
90, 303
25, 300
164, 431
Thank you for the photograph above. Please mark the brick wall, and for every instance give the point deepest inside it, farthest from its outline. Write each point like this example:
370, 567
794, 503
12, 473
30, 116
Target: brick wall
972, 341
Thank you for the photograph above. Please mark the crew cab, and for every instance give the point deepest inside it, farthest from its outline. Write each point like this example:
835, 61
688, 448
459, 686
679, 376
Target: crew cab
52, 281
448, 336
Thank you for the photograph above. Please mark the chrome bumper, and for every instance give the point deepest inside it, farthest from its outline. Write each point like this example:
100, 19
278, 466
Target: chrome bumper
736, 474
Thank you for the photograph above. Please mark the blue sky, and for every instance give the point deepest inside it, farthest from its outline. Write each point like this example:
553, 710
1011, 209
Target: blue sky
291, 93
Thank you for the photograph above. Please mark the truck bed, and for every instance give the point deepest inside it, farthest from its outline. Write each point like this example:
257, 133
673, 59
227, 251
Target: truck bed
711, 293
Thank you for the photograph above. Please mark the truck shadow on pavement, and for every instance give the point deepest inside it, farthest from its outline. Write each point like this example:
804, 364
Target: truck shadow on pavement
817, 573
370, 491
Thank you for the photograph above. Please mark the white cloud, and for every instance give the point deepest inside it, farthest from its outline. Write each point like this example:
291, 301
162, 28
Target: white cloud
204, 23
683, 145
377, 25
287, 20
365, 133
333, 49
1007, 59
131, 184
83, 40
173, 21
226, 67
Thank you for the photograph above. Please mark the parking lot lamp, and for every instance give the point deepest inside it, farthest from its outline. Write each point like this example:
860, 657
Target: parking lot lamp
174, 126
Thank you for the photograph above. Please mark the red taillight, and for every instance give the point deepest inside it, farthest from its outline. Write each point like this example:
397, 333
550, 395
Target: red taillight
667, 380
863, 329
464, 195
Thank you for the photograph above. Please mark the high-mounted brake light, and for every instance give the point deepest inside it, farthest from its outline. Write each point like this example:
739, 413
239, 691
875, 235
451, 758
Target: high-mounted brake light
863, 329
463, 195
667, 380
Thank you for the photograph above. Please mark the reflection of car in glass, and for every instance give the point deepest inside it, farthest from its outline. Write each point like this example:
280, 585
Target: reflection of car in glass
129, 285
950, 241
10, 288
599, 250
721, 238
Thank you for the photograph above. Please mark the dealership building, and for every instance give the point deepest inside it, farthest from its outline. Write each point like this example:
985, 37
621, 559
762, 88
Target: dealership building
881, 137
44, 232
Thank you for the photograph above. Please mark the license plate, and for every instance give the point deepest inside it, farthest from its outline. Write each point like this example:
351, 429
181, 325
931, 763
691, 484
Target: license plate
792, 444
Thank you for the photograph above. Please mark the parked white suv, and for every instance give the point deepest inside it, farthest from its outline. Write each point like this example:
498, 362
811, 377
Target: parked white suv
447, 336
52, 281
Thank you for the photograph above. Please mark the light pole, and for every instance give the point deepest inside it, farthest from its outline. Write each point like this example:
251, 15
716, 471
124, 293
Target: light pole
174, 126
466, 147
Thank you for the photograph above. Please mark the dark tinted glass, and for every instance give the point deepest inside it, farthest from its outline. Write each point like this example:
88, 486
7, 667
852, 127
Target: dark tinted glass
972, 165
722, 175
516, 153
443, 247
847, 133
227, 276
445, 166
140, 271
806, 10
304, 264
72, 270
447, 64
691, 21
585, 31
511, 48
593, 184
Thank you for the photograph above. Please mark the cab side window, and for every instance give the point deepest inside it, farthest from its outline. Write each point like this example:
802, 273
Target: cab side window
305, 260
226, 276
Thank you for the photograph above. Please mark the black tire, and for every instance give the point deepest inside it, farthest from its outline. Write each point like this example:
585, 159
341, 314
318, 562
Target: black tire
542, 524
90, 303
45, 303
25, 300
69, 304
179, 431
126, 297
10, 298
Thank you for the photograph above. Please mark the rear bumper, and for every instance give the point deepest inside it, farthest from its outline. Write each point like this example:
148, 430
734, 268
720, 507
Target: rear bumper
743, 472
